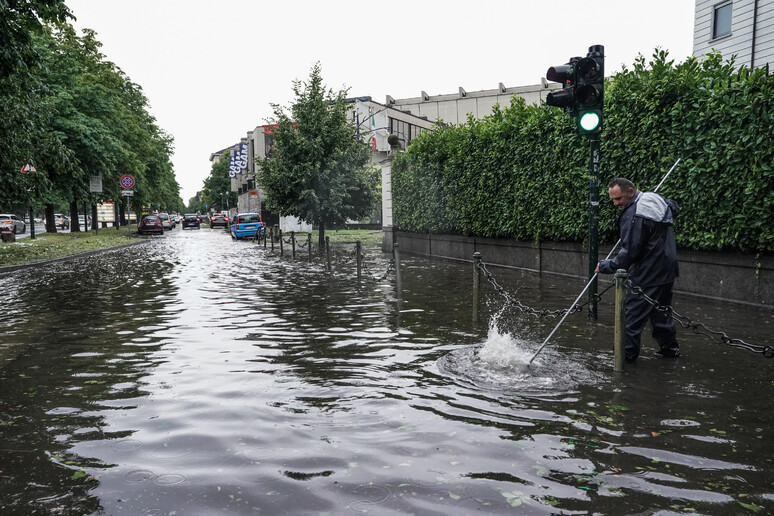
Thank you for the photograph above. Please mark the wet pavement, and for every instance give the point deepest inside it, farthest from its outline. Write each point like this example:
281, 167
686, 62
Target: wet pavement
198, 375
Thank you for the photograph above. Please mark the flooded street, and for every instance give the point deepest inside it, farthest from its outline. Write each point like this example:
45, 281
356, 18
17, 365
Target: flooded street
196, 375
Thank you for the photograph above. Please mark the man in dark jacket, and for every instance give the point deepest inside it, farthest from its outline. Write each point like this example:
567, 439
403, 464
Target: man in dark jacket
649, 254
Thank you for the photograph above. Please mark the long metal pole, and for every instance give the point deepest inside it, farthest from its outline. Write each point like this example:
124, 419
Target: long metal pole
593, 278
593, 224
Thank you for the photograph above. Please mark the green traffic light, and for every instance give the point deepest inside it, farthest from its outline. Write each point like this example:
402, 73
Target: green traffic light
589, 121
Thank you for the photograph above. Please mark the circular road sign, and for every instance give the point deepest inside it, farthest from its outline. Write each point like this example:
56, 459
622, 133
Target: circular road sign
127, 181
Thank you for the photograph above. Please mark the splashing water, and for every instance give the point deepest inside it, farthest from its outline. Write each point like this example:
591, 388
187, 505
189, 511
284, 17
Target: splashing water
502, 362
503, 350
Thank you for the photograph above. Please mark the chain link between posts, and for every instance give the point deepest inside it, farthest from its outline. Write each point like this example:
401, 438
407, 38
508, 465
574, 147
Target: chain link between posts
534, 311
384, 275
684, 321
700, 328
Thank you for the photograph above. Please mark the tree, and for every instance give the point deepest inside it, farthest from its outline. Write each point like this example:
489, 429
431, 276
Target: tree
24, 113
217, 187
317, 171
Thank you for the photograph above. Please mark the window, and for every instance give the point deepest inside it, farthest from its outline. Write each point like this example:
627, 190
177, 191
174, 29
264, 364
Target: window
721, 20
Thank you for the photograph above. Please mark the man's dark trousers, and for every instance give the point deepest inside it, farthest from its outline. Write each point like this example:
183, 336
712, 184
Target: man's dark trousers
639, 312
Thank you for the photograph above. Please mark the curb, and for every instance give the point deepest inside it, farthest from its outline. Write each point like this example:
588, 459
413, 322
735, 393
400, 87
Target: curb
11, 268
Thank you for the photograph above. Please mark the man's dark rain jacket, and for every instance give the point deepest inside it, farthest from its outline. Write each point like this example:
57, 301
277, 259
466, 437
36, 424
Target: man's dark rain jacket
648, 248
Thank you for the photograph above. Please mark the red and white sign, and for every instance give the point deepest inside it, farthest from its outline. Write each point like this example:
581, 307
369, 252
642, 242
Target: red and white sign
127, 181
28, 168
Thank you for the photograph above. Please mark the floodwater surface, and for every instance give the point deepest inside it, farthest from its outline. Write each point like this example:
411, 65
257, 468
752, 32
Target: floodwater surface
196, 375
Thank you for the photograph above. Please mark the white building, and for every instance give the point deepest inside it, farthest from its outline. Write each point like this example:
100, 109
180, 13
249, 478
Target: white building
454, 108
744, 28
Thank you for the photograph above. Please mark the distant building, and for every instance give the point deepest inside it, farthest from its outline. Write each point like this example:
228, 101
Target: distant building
405, 119
744, 28
453, 108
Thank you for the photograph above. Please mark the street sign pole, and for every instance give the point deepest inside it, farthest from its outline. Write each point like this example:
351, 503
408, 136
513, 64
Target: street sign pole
27, 168
127, 183
32, 223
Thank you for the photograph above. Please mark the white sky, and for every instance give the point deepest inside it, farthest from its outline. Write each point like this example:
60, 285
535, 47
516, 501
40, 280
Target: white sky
211, 69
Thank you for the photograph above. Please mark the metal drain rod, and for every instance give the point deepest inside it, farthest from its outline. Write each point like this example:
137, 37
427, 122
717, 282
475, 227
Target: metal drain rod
593, 278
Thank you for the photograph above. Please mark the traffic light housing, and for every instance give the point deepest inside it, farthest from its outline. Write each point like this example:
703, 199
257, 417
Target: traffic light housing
564, 98
589, 91
582, 92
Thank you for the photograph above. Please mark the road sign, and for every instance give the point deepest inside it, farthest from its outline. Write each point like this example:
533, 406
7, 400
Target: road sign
28, 168
127, 193
95, 183
127, 181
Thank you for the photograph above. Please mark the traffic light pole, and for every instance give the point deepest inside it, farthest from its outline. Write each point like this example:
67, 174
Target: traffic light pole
593, 225
582, 96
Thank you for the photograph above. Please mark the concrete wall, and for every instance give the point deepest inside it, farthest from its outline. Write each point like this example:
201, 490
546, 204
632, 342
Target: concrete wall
737, 278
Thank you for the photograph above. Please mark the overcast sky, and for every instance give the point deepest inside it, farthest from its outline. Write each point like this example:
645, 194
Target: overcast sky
211, 69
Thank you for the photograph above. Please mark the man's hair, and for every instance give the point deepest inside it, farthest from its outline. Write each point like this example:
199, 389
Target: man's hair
622, 183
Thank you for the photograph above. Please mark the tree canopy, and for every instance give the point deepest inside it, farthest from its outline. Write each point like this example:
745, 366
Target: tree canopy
318, 169
72, 113
217, 192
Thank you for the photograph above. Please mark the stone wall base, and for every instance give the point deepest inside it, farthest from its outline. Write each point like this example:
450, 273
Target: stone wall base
729, 277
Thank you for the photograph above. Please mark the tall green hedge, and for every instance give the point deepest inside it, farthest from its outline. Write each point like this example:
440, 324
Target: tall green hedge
522, 172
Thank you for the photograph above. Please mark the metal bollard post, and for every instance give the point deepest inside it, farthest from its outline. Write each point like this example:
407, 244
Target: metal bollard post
476, 283
282, 248
271, 237
398, 286
265, 237
328, 251
358, 259
309, 244
293, 243
619, 343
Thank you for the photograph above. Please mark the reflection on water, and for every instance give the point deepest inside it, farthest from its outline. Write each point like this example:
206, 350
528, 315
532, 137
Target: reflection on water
195, 375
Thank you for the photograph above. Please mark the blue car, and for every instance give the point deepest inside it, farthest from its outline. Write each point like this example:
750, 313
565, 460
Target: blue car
247, 225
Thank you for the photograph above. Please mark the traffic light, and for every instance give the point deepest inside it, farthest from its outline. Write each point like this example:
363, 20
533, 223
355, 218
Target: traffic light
564, 98
589, 91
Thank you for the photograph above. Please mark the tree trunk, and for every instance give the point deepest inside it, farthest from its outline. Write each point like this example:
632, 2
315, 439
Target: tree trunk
50, 222
321, 235
75, 226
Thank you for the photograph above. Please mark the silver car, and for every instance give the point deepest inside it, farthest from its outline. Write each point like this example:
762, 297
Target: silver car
166, 221
9, 221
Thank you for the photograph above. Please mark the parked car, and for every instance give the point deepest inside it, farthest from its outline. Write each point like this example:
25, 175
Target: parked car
150, 224
219, 219
9, 221
191, 220
83, 219
166, 221
204, 218
246, 225
61, 221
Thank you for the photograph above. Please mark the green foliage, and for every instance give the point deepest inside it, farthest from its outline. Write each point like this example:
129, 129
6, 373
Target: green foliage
522, 173
217, 192
72, 113
318, 170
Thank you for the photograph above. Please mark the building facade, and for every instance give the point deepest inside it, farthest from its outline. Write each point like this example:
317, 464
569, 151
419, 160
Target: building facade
454, 108
744, 28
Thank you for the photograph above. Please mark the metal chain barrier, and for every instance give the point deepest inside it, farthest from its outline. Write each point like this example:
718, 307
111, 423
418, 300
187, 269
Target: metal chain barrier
384, 275
534, 311
701, 328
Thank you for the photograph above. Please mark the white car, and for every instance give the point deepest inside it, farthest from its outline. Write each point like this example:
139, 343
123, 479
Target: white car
166, 221
9, 221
